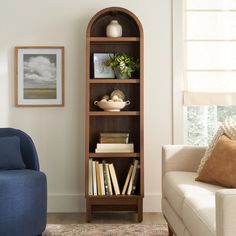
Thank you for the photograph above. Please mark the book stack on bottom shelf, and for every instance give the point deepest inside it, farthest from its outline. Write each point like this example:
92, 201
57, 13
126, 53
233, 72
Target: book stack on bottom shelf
103, 179
114, 142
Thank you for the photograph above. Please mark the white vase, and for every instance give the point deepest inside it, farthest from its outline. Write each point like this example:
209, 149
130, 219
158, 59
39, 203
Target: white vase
114, 29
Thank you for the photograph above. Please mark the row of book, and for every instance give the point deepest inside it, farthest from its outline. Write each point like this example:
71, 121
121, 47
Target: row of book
103, 179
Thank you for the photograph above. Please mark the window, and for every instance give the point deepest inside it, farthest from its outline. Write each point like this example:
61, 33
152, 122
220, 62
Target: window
205, 82
202, 122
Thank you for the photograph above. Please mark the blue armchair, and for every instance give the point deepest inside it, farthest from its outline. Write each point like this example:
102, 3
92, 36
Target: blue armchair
23, 192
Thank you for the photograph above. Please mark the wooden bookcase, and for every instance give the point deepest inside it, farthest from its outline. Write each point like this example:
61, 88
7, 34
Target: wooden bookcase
129, 120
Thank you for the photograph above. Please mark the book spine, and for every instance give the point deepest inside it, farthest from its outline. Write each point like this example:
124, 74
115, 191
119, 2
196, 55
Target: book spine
127, 179
109, 180
132, 177
114, 135
113, 150
98, 178
90, 177
134, 186
94, 179
105, 177
101, 179
117, 146
123, 140
114, 179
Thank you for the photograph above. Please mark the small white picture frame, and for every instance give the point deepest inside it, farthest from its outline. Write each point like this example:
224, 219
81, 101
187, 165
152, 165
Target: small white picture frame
100, 69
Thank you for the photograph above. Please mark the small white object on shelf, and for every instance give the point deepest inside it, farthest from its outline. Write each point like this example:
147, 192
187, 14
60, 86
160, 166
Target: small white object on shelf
111, 105
114, 147
114, 29
118, 93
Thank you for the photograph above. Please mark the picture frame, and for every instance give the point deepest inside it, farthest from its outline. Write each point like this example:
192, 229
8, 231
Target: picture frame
39, 76
100, 70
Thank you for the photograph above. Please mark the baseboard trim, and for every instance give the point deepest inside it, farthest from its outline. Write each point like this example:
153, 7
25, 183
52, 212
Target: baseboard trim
152, 202
76, 203
66, 203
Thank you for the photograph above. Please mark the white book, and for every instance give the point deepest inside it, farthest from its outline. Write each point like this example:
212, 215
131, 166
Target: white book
94, 179
114, 179
102, 179
98, 178
109, 179
113, 150
90, 189
117, 146
132, 177
127, 179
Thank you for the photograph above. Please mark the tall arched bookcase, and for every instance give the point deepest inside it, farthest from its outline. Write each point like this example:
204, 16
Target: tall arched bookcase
129, 120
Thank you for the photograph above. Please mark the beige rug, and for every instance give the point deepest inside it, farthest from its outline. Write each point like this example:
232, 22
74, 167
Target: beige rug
106, 230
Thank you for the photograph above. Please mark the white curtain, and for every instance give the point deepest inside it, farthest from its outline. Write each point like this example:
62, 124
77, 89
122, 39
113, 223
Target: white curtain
210, 52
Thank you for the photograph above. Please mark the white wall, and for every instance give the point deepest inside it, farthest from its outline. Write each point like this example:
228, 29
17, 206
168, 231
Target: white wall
59, 132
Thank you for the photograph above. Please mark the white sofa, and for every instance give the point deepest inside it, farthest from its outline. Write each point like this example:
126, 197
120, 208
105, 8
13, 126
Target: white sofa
191, 207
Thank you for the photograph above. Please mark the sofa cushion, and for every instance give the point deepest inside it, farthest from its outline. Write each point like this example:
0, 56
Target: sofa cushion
199, 214
228, 127
179, 186
220, 168
10, 155
23, 195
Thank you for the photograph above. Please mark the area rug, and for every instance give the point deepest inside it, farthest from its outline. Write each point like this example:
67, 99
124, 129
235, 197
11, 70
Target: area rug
106, 230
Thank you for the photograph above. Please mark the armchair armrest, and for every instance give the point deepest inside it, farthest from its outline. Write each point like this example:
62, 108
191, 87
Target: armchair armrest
225, 212
181, 158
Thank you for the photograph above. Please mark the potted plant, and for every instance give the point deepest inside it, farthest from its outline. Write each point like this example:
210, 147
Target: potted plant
123, 65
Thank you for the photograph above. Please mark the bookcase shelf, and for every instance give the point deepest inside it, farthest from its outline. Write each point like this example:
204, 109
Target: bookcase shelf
108, 113
120, 39
125, 197
128, 121
114, 81
117, 154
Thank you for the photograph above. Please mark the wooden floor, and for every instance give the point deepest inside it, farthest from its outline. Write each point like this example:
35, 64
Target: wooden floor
104, 218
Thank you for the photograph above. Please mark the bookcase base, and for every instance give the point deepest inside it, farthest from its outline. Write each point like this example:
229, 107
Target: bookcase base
127, 204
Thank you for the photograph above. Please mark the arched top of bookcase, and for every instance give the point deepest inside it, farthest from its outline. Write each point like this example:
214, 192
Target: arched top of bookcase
130, 23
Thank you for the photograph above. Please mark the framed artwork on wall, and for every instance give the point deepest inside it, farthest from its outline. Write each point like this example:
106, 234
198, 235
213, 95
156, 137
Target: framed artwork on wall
39, 76
100, 69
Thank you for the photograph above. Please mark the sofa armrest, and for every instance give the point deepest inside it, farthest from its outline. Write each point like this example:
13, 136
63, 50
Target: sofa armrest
181, 158
225, 212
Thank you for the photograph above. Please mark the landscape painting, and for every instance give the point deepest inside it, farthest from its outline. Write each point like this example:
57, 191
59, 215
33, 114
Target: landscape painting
40, 76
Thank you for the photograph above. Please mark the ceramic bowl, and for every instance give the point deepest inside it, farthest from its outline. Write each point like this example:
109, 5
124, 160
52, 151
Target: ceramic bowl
111, 105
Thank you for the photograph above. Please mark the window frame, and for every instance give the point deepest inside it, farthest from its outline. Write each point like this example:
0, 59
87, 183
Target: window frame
179, 124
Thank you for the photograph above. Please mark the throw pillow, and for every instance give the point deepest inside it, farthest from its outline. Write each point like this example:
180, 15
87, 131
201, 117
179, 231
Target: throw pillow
10, 153
220, 168
228, 127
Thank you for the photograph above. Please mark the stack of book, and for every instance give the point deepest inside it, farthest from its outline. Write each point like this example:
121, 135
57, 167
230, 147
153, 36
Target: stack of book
103, 180
114, 142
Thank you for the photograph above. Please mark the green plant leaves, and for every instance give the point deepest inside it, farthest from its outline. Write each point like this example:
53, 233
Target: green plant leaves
125, 63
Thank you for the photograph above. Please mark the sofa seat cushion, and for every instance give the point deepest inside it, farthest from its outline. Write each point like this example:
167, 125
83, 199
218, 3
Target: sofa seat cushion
199, 215
179, 186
